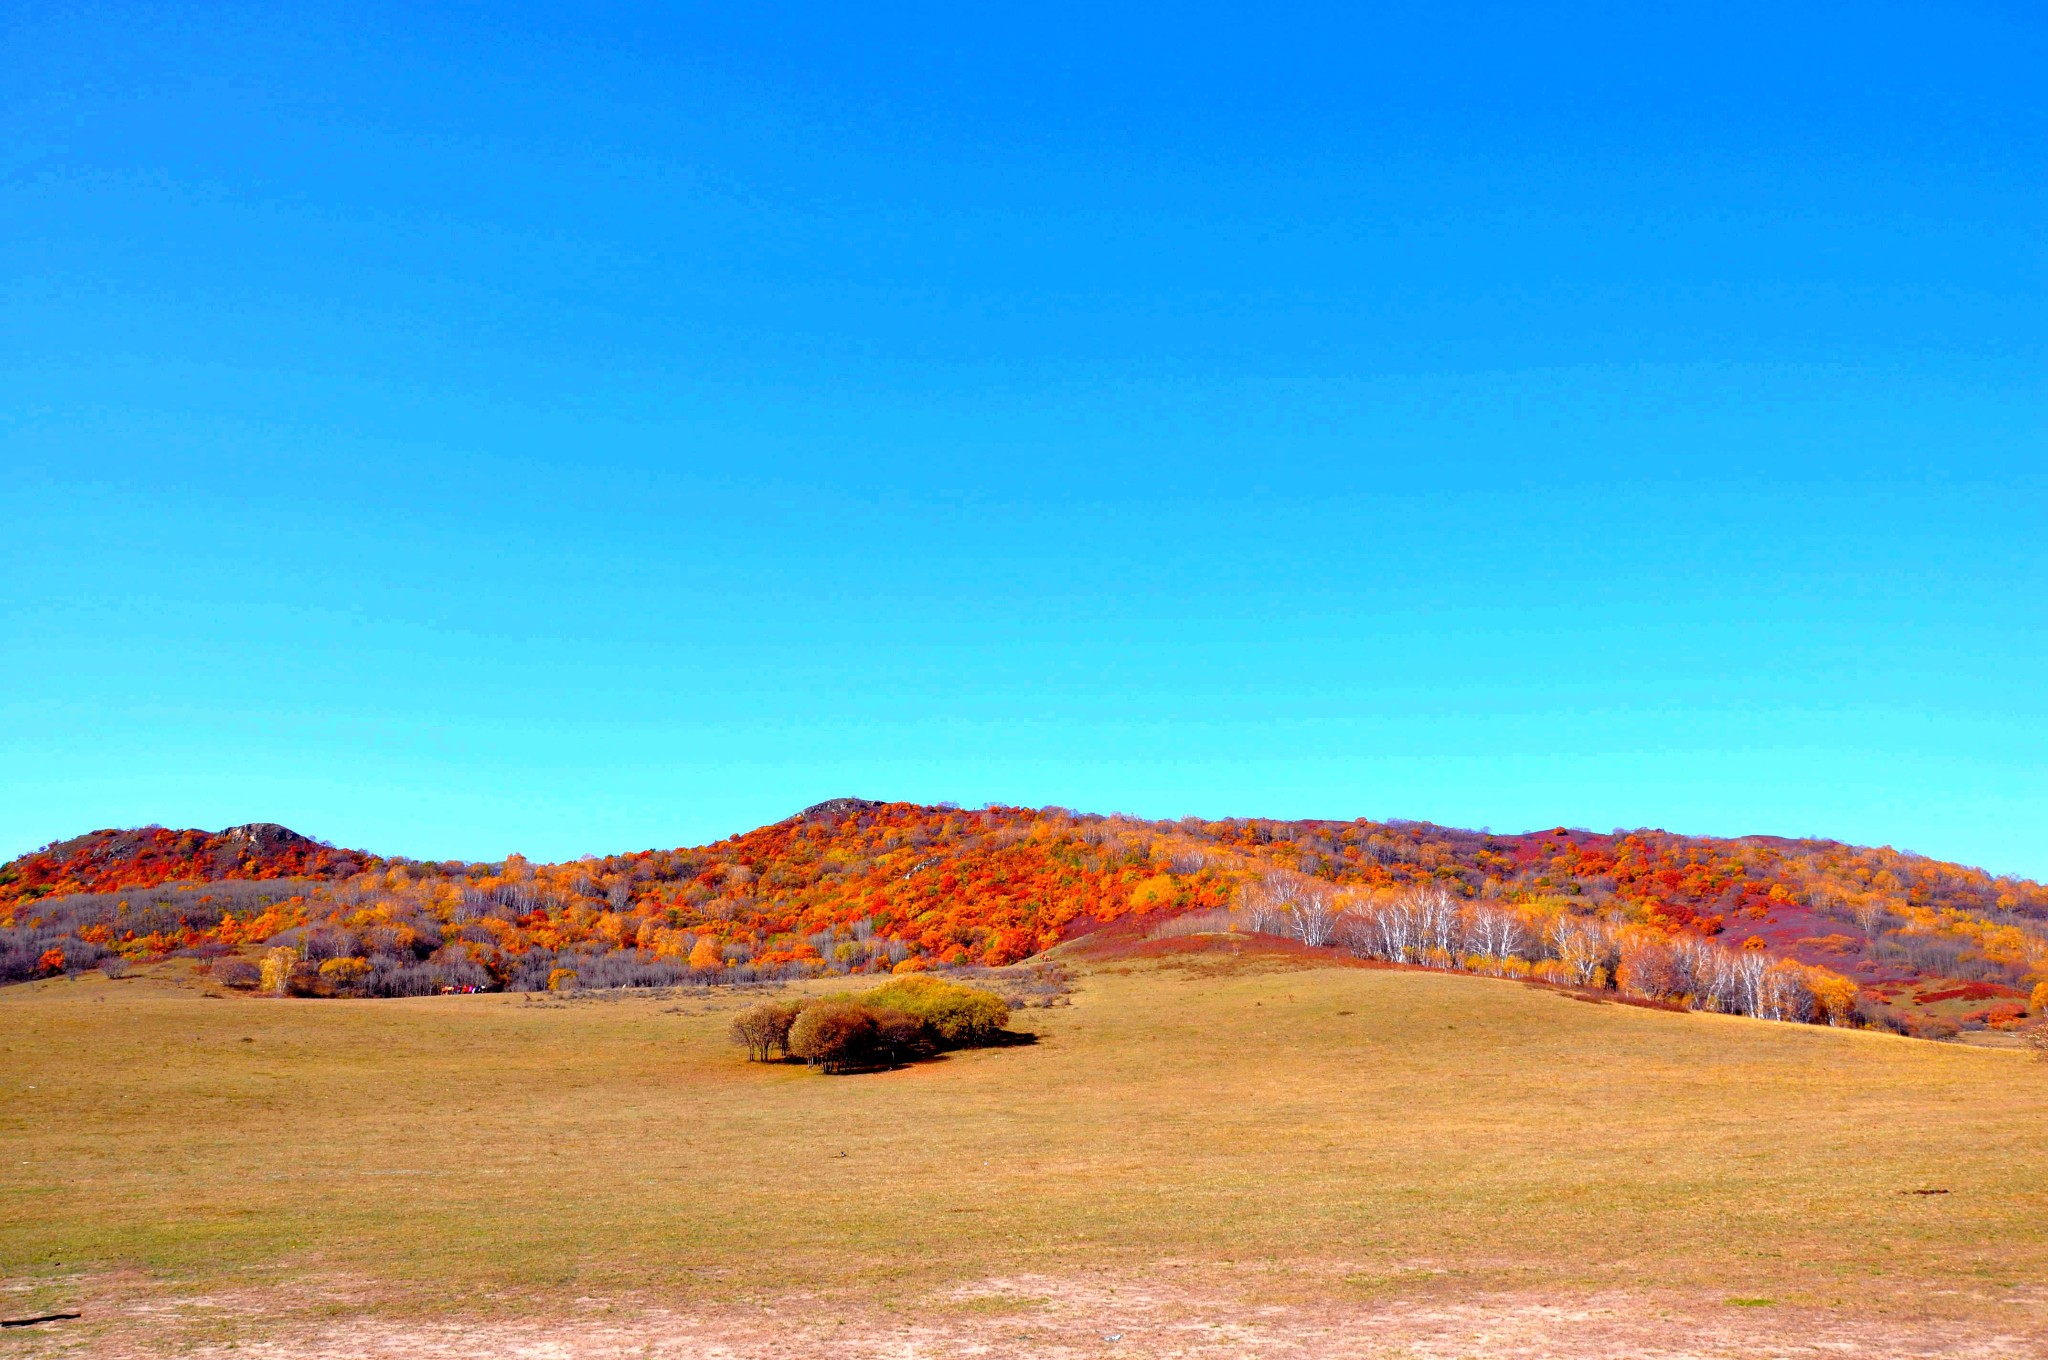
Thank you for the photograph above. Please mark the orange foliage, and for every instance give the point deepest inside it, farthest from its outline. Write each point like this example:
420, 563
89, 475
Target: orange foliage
868, 887
111, 861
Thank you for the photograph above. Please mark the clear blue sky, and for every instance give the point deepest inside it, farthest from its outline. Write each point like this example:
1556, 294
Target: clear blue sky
450, 430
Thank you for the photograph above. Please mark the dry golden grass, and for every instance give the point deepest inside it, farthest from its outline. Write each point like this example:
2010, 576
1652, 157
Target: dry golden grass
1333, 1133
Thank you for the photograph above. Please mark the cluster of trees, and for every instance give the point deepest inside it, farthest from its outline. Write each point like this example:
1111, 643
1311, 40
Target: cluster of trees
1430, 927
287, 970
907, 1018
71, 933
853, 888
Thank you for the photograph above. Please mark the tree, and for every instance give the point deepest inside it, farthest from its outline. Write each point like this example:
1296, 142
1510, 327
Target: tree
764, 1029
1495, 935
1263, 900
705, 954
1314, 914
1394, 926
277, 969
1436, 925
1584, 951
1834, 996
1649, 966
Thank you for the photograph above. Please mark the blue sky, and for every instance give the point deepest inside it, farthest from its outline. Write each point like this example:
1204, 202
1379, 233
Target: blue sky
450, 430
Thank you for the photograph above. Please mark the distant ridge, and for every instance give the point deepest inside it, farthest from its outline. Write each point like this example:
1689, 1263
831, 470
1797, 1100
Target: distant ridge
114, 859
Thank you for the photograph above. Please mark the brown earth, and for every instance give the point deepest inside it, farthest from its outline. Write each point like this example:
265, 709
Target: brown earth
1085, 1315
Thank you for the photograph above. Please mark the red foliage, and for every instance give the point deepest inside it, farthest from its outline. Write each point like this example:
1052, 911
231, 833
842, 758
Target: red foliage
1971, 991
113, 861
852, 886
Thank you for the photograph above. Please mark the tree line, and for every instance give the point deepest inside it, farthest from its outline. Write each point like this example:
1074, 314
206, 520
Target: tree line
1429, 927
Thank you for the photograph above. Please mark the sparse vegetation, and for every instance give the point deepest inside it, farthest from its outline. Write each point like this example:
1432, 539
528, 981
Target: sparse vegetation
1227, 1109
237, 973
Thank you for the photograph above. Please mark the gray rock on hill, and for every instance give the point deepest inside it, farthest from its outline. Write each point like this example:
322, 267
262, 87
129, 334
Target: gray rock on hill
832, 809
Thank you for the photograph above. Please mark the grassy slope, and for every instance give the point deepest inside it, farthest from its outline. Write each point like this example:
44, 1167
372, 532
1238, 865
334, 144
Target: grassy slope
1487, 1132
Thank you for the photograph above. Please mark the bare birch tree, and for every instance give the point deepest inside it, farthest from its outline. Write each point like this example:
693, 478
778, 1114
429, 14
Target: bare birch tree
1313, 910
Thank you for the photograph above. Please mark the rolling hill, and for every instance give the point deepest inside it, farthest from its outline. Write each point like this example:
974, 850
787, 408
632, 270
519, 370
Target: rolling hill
1790, 929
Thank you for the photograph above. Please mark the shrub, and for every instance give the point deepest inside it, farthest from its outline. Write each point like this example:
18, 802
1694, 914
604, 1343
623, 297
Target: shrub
764, 1029
841, 1034
1938, 1027
234, 973
561, 979
305, 980
2035, 1036
834, 1035
955, 1016
907, 1017
344, 974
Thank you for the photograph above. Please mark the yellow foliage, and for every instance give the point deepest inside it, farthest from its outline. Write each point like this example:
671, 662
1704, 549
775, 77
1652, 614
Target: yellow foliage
1160, 890
277, 969
1833, 993
342, 972
561, 979
706, 954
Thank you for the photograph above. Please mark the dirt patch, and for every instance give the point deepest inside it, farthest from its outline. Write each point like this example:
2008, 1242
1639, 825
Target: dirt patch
1058, 1318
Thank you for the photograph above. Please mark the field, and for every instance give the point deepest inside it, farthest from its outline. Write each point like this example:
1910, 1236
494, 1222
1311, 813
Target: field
1208, 1154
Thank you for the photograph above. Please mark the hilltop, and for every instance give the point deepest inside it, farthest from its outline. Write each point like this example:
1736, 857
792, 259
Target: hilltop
1792, 929
147, 857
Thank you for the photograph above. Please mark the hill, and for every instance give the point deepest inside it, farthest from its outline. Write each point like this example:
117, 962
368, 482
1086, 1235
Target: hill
1792, 929
147, 857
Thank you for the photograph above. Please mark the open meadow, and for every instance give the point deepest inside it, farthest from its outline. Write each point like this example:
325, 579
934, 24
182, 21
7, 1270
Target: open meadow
1207, 1153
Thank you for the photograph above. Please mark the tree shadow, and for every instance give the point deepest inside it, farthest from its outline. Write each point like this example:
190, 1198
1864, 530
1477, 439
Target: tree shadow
1002, 1038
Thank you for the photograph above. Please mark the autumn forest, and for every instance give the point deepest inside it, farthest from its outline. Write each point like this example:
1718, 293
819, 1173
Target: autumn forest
1799, 930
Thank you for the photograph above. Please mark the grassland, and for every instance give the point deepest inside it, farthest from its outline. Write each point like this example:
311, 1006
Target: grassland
1289, 1135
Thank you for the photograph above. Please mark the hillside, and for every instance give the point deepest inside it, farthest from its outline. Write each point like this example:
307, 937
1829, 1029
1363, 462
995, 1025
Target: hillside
146, 857
1791, 929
